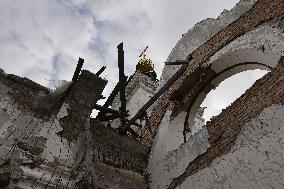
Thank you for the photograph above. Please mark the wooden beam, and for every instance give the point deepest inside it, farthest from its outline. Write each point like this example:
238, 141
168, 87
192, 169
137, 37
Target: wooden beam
100, 71
78, 69
110, 117
121, 81
178, 62
106, 110
113, 94
121, 77
133, 132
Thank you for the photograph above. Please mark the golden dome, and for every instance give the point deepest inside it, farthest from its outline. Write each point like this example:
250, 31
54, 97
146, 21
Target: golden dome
145, 65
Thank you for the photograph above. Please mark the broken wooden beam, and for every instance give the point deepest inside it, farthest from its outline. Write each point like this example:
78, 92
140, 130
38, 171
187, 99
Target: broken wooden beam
161, 91
122, 82
78, 69
121, 77
100, 71
132, 132
113, 94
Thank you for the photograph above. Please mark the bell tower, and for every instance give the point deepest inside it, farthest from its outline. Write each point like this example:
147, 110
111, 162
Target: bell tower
140, 87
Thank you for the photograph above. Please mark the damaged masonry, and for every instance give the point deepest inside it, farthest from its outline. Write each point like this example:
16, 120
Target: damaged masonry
150, 133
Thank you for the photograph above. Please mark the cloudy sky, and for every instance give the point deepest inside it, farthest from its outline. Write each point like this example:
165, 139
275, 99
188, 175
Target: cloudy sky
42, 39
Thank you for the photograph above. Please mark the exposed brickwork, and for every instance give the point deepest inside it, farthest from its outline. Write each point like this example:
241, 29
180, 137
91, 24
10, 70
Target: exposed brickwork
223, 129
110, 177
262, 11
118, 151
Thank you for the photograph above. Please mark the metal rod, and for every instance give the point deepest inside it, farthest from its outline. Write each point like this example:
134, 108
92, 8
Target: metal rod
78, 69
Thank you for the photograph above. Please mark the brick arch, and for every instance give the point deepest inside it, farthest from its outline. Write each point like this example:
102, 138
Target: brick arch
188, 100
224, 67
249, 25
214, 83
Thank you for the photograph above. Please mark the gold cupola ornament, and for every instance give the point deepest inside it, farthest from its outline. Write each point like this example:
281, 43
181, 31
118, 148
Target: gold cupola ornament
145, 65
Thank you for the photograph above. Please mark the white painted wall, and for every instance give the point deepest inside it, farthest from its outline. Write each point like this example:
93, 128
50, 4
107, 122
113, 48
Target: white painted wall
256, 161
17, 124
163, 167
138, 91
137, 101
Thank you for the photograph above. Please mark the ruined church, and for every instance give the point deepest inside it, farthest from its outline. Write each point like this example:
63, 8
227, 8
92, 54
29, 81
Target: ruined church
150, 133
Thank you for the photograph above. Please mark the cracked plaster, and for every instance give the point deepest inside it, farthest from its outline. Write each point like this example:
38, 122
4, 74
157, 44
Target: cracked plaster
255, 161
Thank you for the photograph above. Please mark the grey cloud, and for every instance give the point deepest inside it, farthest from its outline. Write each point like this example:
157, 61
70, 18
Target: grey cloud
92, 29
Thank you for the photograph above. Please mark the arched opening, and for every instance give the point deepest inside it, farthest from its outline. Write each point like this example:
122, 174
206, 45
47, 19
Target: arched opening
228, 91
220, 78
186, 122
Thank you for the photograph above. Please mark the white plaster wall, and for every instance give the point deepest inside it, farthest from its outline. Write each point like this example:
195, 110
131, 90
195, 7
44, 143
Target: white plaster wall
174, 135
17, 124
164, 167
140, 96
57, 147
256, 161
198, 125
137, 101
175, 132
14, 124
159, 146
